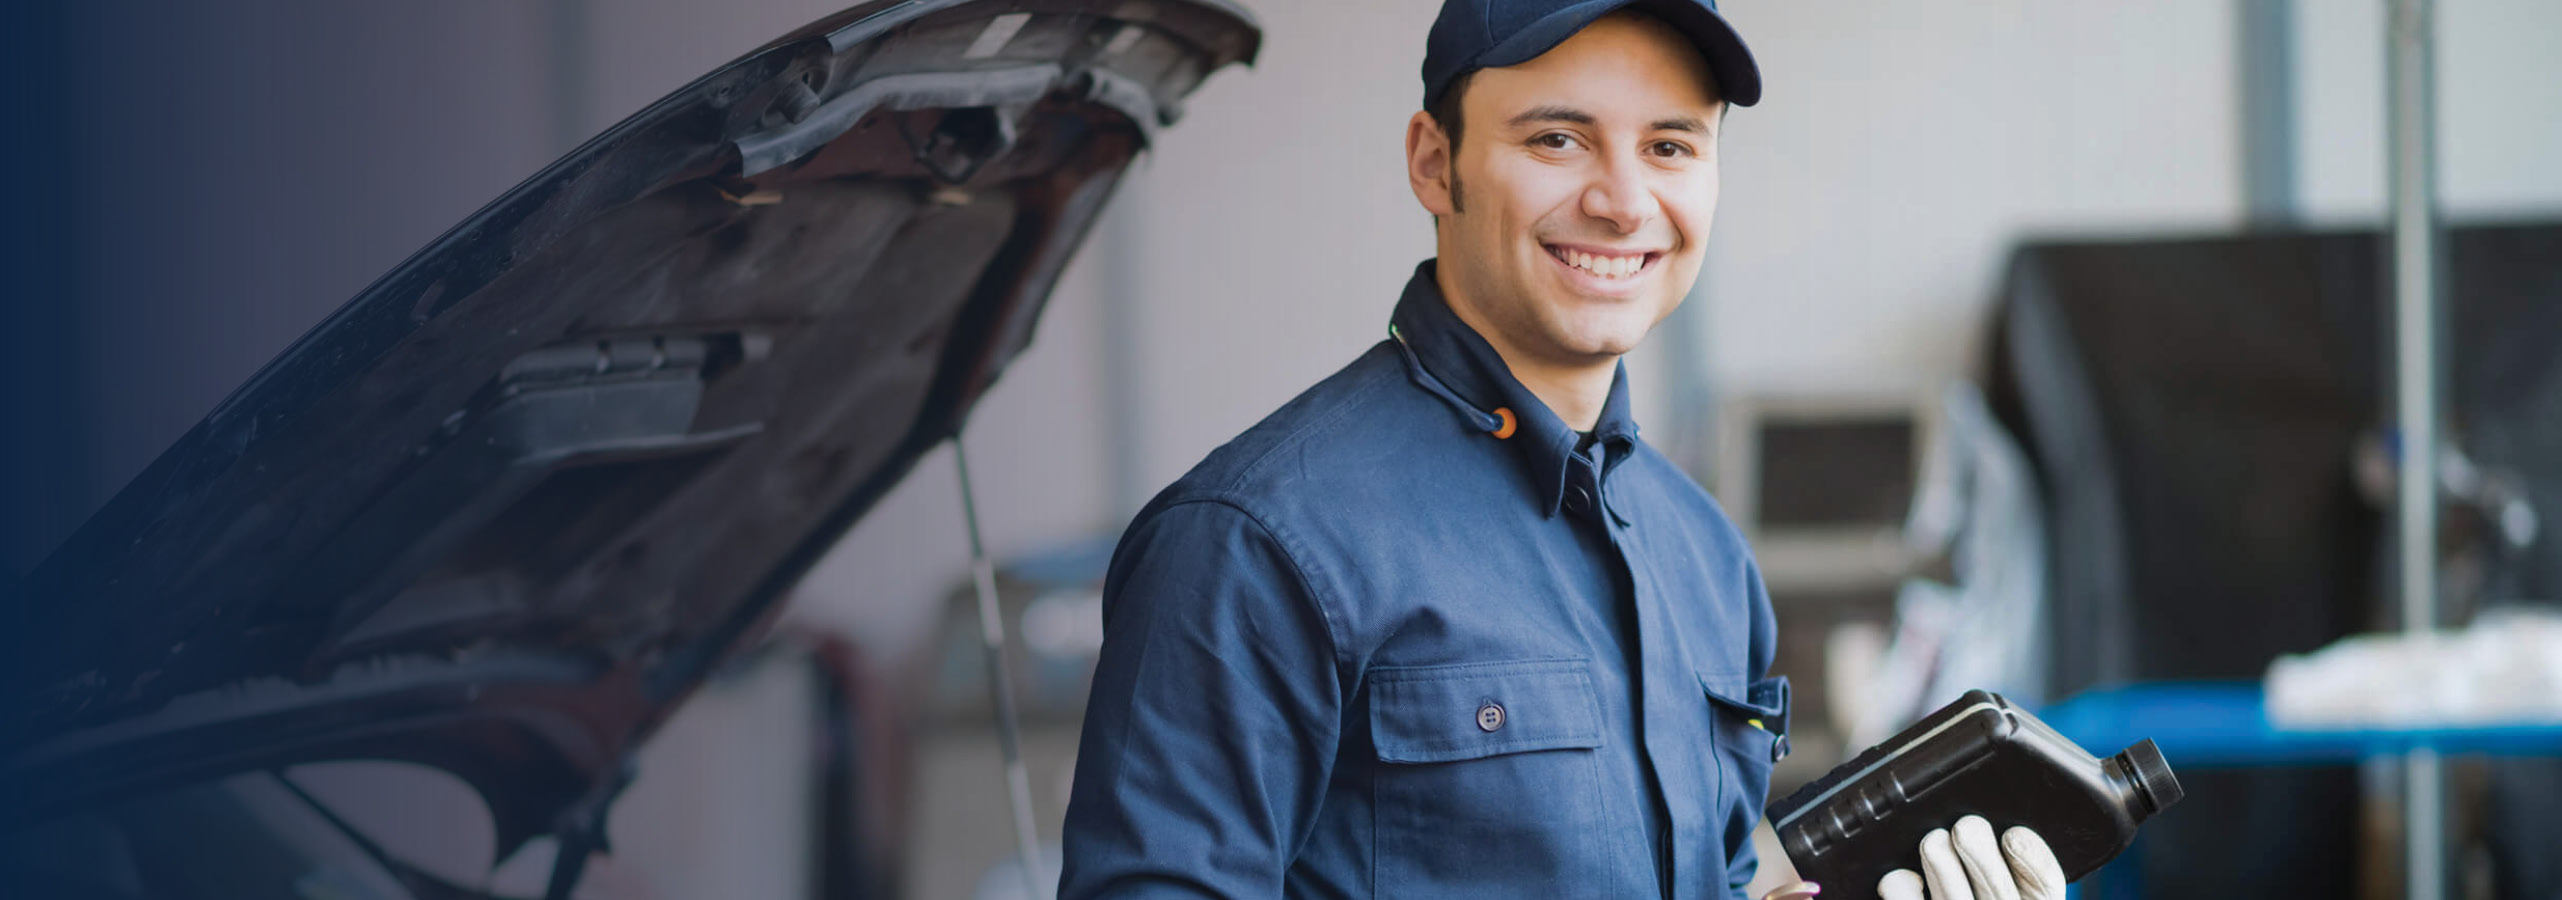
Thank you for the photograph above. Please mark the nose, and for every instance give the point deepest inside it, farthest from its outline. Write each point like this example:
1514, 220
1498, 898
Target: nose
1620, 195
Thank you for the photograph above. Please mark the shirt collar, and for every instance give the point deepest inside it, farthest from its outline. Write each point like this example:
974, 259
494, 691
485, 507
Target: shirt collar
1450, 360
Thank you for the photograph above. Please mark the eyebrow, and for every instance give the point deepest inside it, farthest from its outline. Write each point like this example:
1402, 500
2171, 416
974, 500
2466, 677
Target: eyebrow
1553, 113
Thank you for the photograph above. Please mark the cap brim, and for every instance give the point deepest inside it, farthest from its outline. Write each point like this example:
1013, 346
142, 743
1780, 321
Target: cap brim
1738, 78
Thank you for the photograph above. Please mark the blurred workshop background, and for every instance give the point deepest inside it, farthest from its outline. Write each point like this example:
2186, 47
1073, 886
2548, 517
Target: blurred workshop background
2041, 346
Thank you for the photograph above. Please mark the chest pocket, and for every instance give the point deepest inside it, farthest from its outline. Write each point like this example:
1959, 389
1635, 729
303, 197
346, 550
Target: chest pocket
1751, 725
1487, 784
1760, 707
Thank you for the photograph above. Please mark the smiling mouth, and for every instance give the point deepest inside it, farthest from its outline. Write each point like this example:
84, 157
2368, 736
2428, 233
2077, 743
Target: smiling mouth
1606, 267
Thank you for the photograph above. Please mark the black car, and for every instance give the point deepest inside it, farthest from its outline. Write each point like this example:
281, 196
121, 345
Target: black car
503, 511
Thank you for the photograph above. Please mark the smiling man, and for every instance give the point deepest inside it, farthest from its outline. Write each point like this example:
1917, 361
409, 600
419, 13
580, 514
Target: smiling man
1595, 165
1443, 626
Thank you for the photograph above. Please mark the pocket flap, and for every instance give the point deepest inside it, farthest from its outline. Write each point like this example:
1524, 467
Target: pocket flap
1764, 703
1431, 714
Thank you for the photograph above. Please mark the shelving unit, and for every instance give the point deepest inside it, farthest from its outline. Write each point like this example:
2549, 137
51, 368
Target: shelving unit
2219, 724
2203, 725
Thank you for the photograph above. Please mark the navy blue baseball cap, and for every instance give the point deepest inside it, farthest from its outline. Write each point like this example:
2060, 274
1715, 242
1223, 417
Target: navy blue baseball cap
1487, 34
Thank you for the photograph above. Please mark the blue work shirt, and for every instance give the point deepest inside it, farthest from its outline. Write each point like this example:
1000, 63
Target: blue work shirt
1402, 639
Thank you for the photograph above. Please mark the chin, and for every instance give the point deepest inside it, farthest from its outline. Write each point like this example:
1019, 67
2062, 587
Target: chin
1615, 335
1602, 344
1619, 348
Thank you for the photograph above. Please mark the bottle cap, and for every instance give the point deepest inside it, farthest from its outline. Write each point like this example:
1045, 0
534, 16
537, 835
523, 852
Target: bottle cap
2153, 776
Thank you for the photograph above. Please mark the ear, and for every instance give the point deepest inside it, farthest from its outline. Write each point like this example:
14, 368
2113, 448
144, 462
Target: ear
1428, 163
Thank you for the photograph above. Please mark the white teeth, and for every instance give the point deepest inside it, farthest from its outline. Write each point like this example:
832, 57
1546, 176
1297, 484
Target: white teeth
1604, 266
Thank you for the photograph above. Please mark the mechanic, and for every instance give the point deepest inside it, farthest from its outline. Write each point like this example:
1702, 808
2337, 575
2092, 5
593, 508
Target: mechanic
1443, 626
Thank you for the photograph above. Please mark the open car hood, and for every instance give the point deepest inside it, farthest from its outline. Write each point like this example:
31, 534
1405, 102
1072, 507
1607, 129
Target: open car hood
505, 509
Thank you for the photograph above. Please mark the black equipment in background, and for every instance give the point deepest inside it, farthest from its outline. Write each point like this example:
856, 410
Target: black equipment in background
2192, 408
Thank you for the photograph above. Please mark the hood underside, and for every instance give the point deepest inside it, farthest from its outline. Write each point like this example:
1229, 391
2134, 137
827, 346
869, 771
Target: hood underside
503, 510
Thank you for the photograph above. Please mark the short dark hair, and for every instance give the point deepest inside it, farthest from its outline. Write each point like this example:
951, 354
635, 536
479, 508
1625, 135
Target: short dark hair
1444, 111
1445, 108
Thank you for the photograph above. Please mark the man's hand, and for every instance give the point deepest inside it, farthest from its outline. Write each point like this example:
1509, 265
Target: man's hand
1971, 866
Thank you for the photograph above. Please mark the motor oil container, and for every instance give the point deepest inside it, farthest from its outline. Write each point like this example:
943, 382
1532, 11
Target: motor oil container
1977, 756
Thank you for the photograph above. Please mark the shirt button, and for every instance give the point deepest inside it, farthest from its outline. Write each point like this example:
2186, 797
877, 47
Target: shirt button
1490, 717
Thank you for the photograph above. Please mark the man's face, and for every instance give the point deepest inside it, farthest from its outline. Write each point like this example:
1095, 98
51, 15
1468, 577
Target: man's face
1585, 182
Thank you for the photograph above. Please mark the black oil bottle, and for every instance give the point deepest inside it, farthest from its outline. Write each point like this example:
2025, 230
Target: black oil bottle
1977, 756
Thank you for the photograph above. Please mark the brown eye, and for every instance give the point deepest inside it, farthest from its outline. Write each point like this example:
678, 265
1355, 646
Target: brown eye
1671, 148
1554, 140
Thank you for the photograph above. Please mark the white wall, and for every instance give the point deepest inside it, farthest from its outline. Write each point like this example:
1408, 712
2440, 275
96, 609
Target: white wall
1904, 147
1901, 148
1274, 230
2499, 90
1260, 246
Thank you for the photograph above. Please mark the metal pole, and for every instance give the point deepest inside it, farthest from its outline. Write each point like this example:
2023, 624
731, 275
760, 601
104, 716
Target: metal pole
1124, 373
1009, 736
2412, 131
2267, 68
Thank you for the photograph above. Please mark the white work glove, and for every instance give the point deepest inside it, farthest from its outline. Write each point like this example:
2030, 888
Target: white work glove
1971, 866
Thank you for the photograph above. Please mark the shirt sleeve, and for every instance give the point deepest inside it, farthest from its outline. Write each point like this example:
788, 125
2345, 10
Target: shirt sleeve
1216, 708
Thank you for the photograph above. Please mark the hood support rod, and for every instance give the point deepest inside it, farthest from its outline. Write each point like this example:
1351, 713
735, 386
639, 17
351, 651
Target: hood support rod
1000, 687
